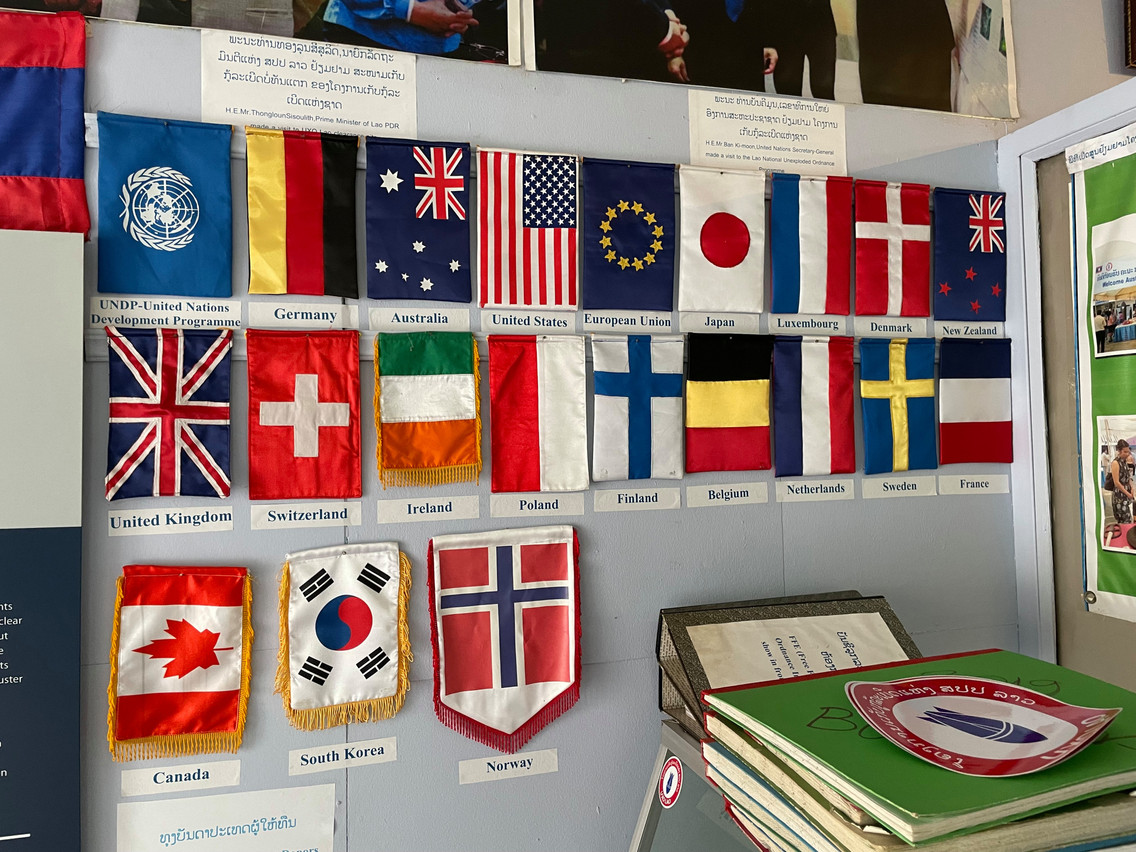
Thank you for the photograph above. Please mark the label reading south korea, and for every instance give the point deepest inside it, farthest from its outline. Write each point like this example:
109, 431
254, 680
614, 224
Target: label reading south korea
191, 519
527, 322
535, 503
502, 766
635, 499
419, 319
303, 315
734, 494
429, 509
279, 516
304, 761
164, 312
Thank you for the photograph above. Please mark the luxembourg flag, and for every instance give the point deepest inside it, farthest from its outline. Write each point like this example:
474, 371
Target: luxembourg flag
811, 244
812, 406
538, 413
974, 402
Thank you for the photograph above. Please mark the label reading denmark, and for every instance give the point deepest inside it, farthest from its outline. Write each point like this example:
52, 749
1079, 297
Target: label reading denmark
164, 312
651, 322
537, 503
808, 491
429, 509
195, 519
499, 767
719, 323
997, 483
890, 326
734, 494
527, 322
280, 516
176, 779
419, 319
900, 486
636, 499
304, 761
303, 315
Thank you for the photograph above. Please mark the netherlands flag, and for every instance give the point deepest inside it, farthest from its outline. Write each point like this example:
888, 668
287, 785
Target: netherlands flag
812, 406
811, 244
974, 402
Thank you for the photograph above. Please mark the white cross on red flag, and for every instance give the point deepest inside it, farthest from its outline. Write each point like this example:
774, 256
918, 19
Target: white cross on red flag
893, 249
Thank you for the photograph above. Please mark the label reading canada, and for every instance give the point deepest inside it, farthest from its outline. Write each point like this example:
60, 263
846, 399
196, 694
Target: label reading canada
961, 328
536, 503
281, 516
811, 490
303, 315
191, 519
418, 319
176, 779
997, 483
304, 761
900, 486
164, 312
650, 322
500, 767
734, 494
636, 499
429, 509
527, 322
890, 326
719, 323
807, 324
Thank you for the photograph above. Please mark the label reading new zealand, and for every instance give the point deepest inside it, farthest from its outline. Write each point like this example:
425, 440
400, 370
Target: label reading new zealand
534, 504
651, 322
279, 516
636, 499
900, 486
527, 322
734, 494
807, 324
719, 323
810, 490
303, 315
419, 319
429, 509
164, 312
963, 328
191, 519
304, 761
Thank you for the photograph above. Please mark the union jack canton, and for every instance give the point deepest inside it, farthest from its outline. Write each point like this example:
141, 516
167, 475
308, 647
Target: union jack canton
169, 413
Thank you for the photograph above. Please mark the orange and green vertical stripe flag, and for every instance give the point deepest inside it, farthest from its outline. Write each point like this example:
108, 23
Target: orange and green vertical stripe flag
301, 209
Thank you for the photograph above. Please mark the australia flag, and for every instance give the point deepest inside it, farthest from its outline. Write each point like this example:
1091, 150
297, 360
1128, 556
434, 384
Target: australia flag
970, 255
418, 220
628, 235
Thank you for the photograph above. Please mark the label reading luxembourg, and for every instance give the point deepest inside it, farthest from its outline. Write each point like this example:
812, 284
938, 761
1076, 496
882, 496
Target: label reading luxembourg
899, 486
303, 315
304, 761
636, 499
176, 779
651, 322
955, 483
499, 767
538, 503
419, 319
527, 322
192, 519
890, 326
164, 312
429, 509
961, 328
734, 494
811, 490
807, 324
282, 516
719, 323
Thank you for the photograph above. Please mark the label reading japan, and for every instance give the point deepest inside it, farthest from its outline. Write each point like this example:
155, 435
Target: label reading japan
890, 326
419, 319
429, 509
191, 519
811, 490
503, 766
177, 779
164, 312
279, 516
899, 486
636, 499
304, 761
719, 323
734, 494
997, 483
527, 322
651, 322
536, 503
807, 324
303, 315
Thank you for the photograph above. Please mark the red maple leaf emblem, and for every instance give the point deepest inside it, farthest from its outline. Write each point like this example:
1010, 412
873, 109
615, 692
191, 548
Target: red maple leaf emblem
190, 648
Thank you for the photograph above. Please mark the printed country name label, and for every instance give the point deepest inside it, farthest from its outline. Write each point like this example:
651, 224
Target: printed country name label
721, 323
959, 328
527, 322
811, 490
429, 509
164, 312
500, 767
652, 322
890, 326
998, 483
304, 761
303, 315
281, 516
900, 486
636, 499
525, 505
734, 494
807, 324
175, 779
419, 319
195, 519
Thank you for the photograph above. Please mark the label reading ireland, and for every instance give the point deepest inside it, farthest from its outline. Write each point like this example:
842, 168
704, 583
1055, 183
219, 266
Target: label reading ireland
429, 509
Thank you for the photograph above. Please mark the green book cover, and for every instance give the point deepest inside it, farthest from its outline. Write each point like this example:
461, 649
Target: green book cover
811, 721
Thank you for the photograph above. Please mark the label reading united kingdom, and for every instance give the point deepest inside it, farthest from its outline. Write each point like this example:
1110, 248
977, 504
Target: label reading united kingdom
734, 494
164, 312
650, 322
178, 779
527, 322
419, 319
958, 328
890, 326
636, 499
303, 315
429, 509
997, 483
807, 324
900, 486
537, 503
194, 519
279, 516
719, 323
500, 767
304, 761
811, 490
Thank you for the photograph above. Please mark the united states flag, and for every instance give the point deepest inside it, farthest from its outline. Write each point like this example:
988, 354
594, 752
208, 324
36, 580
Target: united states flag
527, 230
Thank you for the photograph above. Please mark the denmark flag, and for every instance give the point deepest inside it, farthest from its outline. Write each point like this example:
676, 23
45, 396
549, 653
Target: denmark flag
893, 249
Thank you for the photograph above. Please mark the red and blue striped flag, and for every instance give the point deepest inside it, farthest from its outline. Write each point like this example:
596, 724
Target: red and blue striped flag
811, 244
812, 406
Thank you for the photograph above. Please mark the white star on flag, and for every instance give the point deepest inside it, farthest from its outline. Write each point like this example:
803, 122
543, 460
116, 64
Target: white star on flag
381, 266
454, 266
391, 180
427, 284
405, 277
419, 246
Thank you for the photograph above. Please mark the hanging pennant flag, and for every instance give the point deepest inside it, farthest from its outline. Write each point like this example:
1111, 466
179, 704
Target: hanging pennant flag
303, 414
538, 413
344, 645
169, 412
897, 401
970, 256
722, 245
165, 207
418, 220
893, 249
526, 230
428, 408
629, 235
810, 224
812, 406
505, 625
727, 402
975, 424
301, 212
179, 661
42, 66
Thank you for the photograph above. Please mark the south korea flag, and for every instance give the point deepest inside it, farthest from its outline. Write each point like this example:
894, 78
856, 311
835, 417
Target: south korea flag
343, 623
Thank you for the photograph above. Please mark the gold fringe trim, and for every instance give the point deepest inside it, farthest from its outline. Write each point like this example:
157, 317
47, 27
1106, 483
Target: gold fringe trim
372, 710
378, 449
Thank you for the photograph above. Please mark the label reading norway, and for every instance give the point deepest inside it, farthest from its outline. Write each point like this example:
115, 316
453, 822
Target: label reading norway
190, 519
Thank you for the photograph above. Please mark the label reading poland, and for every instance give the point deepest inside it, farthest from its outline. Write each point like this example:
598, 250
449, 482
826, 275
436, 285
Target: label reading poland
429, 509
636, 499
304, 761
303, 315
954, 483
734, 494
191, 519
499, 767
419, 319
719, 323
811, 490
280, 516
535, 503
527, 322
176, 779
900, 486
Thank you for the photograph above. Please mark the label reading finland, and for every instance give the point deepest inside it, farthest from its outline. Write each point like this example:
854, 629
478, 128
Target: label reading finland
503, 766
419, 319
528, 322
734, 494
997, 483
191, 519
279, 516
175, 779
304, 761
303, 315
164, 312
429, 509
900, 486
719, 323
811, 490
636, 499
536, 503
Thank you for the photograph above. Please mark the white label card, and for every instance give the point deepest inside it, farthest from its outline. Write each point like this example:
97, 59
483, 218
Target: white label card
164, 312
429, 509
177, 779
960, 328
811, 490
280, 516
629, 322
733, 494
899, 486
304, 761
807, 324
502, 766
890, 326
719, 323
998, 483
636, 499
536, 503
303, 315
419, 319
190, 519
494, 321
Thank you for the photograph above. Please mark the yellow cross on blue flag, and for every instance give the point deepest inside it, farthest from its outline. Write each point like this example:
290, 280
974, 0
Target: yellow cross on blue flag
897, 401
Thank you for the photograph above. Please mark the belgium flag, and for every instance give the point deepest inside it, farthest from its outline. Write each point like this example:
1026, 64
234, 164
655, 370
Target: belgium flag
301, 210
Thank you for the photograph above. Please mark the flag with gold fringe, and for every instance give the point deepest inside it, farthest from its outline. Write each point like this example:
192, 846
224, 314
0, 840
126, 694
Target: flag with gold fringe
344, 645
179, 661
427, 408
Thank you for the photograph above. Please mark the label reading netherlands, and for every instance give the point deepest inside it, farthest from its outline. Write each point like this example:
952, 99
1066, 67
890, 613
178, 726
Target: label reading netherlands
537, 503
997, 483
651, 322
810, 490
719, 323
503, 766
304, 761
164, 312
900, 486
429, 509
734, 494
890, 326
807, 324
419, 319
962, 328
279, 516
303, 315
191, 519
527, 322
635, 499
175, 779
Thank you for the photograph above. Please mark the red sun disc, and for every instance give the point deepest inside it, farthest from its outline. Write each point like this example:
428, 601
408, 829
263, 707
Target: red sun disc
724, 240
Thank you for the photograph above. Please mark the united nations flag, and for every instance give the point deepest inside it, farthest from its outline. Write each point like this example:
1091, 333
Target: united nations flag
165, 207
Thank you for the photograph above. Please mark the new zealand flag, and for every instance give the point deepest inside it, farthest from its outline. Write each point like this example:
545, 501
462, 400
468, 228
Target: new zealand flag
970, 255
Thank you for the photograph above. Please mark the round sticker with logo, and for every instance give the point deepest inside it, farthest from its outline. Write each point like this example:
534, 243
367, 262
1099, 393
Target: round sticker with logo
977, 726
670, 782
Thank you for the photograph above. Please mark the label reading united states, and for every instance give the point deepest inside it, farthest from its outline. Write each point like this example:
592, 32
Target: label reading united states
419, 319
900, 486
523, 505
502, 766
164, 312
719, 323
279, 516
630, 322
636, 499
429, 509
998, 483
733, 494
191, 519
303, 315
812, 490
527, 322
304, 761
177, 779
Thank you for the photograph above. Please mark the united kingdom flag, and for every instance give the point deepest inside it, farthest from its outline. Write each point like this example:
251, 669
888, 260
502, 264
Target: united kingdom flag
439, 181
169, 413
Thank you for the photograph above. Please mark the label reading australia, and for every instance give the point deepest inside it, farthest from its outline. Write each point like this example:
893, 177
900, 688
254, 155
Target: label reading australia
810, 490
636, 499
303, 315
651, 322
527, 322
954, 483
176, 779
734, 494
304, 761
900, 486
195, 519
279, 516
429, 509
164, 312
534, 504
719, 323
419, 319
889, 326
500, 767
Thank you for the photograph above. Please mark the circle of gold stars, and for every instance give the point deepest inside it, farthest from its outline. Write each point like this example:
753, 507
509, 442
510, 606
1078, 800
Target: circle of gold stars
612, 256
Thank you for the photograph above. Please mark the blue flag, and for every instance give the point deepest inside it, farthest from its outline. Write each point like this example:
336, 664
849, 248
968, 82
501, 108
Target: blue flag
165, 207
970, 255
418, 220
628, 233
897, 401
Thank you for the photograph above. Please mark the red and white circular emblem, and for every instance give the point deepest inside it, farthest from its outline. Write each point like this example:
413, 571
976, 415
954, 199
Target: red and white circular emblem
670, 782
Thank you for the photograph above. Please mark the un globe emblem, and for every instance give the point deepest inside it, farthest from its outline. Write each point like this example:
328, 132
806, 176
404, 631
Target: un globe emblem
159, 208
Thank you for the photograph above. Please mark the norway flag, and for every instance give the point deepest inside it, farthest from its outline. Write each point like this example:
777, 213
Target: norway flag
505, 627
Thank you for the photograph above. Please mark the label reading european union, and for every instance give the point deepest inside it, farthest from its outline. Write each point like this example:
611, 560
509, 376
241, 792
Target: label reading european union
629, 322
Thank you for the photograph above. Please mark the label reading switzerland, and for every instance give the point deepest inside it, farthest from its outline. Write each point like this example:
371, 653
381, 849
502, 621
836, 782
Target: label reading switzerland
429, 509
164, 312
279, 516
734, 494
503, 766
527, 322
419, 319
192, 519
303, 761
809, 490
900, 486
176, 779
536, 503
636, 499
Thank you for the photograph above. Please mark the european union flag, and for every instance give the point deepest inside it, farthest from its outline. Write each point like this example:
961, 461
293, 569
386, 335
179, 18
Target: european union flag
418, 204
970, 255
628, 234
